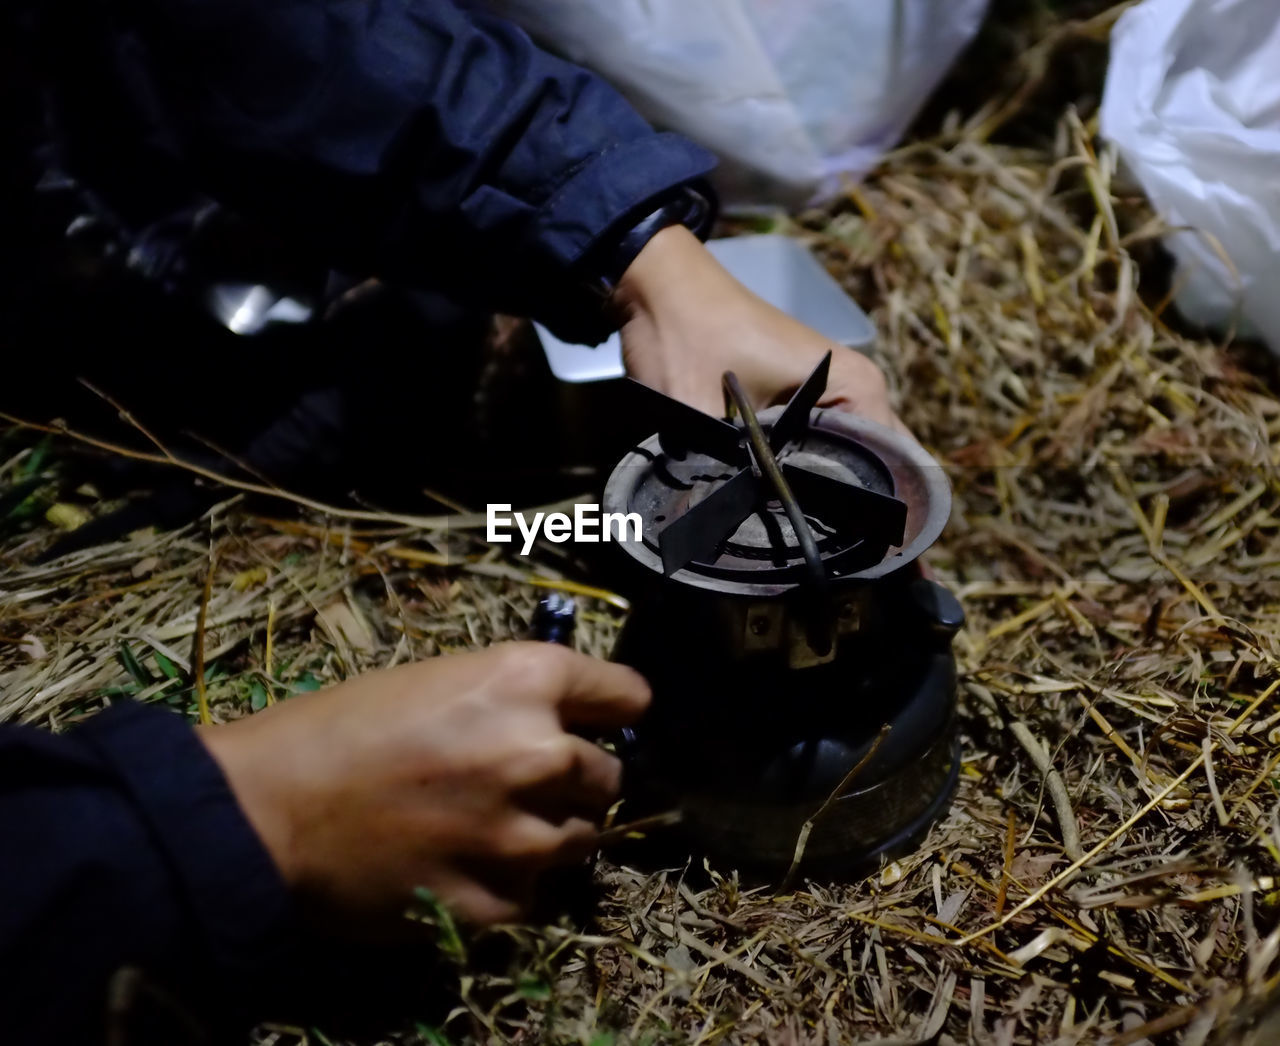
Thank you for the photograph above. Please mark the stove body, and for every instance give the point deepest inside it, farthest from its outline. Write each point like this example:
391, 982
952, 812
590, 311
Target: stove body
788, 693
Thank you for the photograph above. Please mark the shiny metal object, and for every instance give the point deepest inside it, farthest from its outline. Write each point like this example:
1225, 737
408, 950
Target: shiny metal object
250, 308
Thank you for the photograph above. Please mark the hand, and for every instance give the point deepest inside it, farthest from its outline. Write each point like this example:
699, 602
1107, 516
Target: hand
457, 774
686, 321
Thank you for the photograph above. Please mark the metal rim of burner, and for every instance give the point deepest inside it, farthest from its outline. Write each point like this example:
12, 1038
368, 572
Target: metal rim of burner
911, 475
781, 617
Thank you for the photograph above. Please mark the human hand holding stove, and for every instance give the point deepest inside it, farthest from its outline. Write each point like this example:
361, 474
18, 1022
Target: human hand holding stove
686, 321
459, 774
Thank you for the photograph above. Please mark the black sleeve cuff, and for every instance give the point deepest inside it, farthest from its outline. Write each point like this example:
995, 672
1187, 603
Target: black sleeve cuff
618, 187
584, 221
233, 898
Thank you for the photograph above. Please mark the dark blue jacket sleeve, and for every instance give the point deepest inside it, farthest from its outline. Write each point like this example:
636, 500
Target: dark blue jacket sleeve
122, 848
409, 138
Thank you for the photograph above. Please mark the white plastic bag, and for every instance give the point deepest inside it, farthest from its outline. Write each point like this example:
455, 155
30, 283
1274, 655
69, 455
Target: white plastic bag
1193, 102
795, 96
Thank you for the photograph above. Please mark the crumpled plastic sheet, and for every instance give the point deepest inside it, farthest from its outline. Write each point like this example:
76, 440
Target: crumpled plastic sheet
795, 96
1192, 102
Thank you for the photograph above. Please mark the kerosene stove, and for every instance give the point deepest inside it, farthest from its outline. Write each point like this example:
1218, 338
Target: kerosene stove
800, 661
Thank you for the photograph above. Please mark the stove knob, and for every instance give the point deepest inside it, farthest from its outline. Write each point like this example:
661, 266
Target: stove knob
938, 607
554, 619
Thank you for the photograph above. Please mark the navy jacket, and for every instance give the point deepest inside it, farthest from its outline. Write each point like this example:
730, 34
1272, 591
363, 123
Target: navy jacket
409, 139
404, 138
122, 849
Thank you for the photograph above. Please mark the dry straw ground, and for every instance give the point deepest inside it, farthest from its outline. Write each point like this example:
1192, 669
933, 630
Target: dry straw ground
1110, 867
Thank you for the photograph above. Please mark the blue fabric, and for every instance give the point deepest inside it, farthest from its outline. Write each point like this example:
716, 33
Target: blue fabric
406, 138
121, 845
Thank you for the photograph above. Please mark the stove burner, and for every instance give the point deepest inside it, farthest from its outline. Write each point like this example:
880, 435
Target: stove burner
798, 658
713, 519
